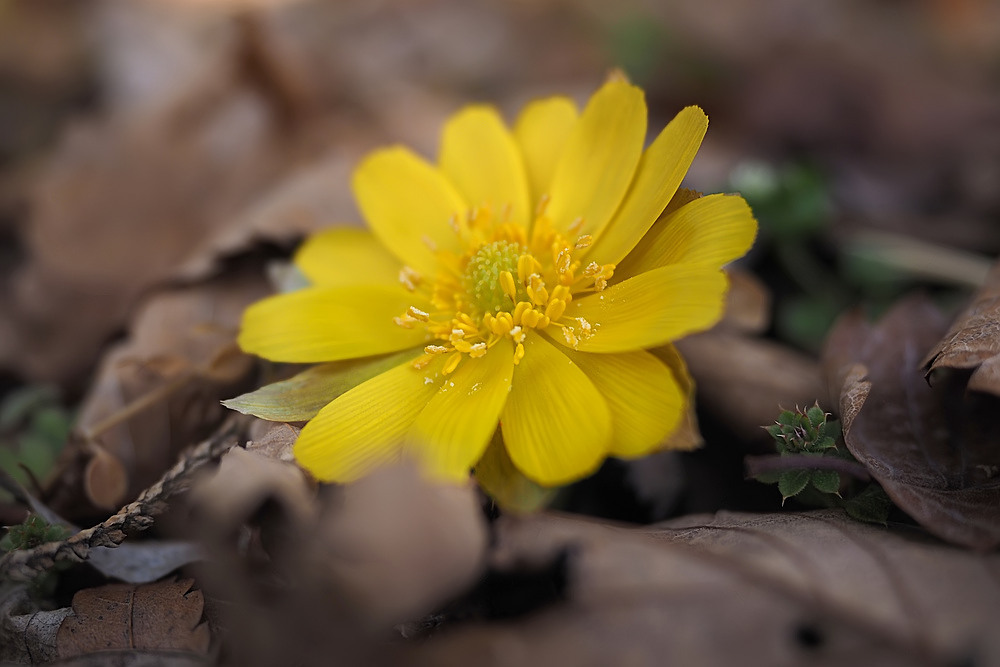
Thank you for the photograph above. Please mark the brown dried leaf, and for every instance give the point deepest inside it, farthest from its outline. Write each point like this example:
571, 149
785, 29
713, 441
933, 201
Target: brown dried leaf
973, 341
745, 381
163, 615
156, 393
933, 449
734, 589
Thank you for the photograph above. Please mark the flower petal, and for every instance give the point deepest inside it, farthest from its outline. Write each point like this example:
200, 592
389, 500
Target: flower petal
328, 324
650, 309
479, 156
452, 432
409, 204
660, 172
507, 485
686, 436
347, 256
600, 158
541, 132
365, 427
556, 424
711, 231
301, 397
645, 399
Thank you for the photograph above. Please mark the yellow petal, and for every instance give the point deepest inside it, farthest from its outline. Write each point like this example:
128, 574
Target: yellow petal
301, 397
479, 156
600, 158
686, 436
645, 399
347, 256
710, 231
452, 432
366, 426
556, 424
329, 323
541, 132
659, 174
409, 204
507, 485
650, 309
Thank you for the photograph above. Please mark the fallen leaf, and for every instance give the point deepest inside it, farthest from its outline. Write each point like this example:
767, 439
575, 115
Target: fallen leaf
156, 393
162, 615
933, 449
745, 381
27, 633
973, 341
735, 589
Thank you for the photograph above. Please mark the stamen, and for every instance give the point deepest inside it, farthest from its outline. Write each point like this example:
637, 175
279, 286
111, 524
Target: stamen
435, 349
507, 283
418, 314
452, 363
517, 334
563, 260
518, 353
409, 278
555, 309
584, 241
477, 350
576, 226
429, 242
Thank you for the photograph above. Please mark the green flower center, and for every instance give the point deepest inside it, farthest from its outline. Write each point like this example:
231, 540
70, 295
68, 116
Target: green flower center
482, 275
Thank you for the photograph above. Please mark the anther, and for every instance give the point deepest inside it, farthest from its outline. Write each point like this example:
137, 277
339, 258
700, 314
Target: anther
507, 283
477, 350
584, 241
452, 363
576, 226
436, 349
555, 309
409, 278
518, 353
418, 314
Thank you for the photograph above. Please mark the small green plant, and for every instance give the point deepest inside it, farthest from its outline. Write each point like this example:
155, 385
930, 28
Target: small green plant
32, 532
810, 465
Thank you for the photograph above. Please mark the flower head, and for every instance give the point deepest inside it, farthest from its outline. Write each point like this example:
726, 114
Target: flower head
532, 279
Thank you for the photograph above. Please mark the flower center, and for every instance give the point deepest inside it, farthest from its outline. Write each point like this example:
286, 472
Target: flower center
483, 279
507, 281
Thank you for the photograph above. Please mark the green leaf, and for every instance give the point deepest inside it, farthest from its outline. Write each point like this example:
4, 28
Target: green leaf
299, 398
872, 505
774, 430
768, 477
816, 416
788, 418
792, 482
827, 481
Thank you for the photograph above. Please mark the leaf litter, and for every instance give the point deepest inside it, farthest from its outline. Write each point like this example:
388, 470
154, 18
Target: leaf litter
224, 136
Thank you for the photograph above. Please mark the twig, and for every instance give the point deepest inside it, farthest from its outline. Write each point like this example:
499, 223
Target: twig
24, 565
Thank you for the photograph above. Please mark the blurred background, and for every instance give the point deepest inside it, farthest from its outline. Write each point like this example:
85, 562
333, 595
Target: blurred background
144, 143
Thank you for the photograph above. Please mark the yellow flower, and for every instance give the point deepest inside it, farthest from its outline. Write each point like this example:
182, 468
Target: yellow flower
520, 281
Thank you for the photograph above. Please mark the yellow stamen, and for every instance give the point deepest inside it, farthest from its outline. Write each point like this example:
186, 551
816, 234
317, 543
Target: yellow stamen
452, 363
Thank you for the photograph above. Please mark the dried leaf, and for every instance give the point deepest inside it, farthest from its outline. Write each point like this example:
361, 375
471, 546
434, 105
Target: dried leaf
164, 615
733, 589
933, 449
156, 393
745, 381
27, 633
973, 341
24, 565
